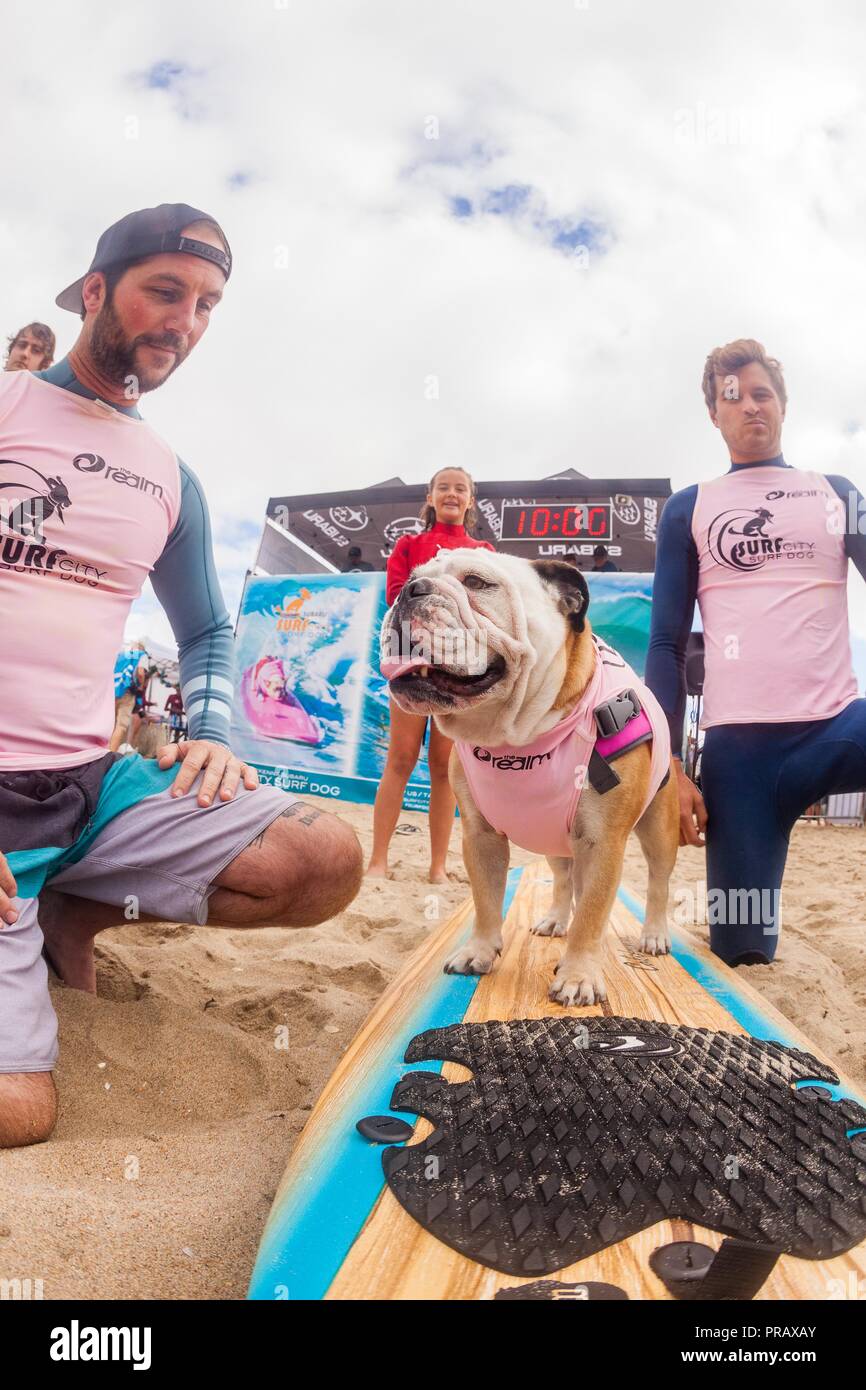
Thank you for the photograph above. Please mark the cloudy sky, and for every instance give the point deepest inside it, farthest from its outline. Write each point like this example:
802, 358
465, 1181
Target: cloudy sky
552, 208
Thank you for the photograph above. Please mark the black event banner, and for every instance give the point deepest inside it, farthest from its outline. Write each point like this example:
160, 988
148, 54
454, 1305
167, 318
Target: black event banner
550, 519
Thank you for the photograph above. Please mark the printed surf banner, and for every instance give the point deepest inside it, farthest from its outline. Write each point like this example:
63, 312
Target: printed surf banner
310, 708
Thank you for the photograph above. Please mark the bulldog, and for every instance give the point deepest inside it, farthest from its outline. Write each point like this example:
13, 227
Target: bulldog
558, 748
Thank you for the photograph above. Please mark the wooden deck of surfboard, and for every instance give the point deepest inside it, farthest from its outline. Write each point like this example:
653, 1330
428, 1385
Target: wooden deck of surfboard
392, 1257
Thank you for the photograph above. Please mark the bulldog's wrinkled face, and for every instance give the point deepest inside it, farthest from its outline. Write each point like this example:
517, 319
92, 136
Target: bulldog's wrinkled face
468, 625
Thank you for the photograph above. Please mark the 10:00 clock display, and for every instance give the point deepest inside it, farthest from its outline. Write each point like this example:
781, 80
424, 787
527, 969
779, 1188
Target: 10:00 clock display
571, 520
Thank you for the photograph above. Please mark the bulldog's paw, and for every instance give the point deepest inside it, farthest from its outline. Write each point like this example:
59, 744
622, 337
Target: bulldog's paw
549, 926
475, 958
655, 943
578, 983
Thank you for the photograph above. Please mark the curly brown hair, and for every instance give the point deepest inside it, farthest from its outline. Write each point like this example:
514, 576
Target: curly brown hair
428, 513
43, 334
727, 360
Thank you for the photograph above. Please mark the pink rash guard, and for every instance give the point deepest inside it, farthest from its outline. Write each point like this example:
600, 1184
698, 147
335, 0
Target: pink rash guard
772, 590
78, 536
531, 793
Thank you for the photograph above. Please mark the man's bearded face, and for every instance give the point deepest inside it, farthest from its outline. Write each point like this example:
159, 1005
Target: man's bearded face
121, 359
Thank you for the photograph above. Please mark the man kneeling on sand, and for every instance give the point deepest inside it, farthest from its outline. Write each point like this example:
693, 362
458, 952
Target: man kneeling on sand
93, 500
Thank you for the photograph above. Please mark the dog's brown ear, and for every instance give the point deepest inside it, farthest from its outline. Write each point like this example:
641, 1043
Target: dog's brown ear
571, 587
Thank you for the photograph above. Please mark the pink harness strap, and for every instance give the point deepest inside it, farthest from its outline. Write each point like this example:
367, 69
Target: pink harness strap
637, 730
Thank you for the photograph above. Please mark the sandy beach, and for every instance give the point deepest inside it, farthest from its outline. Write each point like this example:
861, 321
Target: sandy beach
185, 1084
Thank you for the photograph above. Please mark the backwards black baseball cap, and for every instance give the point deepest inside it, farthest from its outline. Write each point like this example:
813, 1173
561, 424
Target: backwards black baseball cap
149, 232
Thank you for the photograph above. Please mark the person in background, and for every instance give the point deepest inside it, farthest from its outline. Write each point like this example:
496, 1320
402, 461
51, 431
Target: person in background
31, 349
141, 704
128, 668
601, 562
354, 563
448, 509
174, 705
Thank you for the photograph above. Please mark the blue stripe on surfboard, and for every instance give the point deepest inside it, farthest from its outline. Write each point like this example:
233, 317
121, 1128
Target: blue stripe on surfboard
750, 1015
295, 1259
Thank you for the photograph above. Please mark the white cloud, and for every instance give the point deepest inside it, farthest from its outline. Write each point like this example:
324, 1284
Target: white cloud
721, 148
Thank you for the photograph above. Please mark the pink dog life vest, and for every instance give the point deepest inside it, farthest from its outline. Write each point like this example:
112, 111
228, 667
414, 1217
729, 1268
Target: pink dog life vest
531, 793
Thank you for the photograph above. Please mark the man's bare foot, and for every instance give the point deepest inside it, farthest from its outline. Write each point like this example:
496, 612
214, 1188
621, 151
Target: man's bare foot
69, 934
438, 876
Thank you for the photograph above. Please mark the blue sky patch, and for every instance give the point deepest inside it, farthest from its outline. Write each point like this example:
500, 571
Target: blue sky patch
522, 204
567, 236
165, 74
230, 530
177, 80
507, 201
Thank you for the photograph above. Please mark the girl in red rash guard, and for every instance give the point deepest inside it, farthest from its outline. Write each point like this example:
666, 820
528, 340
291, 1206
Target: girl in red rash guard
449, 505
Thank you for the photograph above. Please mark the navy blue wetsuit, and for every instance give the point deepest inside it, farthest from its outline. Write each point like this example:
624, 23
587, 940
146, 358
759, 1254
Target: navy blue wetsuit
756, 778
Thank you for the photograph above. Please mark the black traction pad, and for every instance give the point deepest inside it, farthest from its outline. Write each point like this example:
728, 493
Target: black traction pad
573, 1134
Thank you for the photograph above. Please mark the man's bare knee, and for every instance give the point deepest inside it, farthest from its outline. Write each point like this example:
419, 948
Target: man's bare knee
330, 878
28, 1108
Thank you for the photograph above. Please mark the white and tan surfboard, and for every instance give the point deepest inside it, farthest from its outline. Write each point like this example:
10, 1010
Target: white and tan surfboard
336, 1231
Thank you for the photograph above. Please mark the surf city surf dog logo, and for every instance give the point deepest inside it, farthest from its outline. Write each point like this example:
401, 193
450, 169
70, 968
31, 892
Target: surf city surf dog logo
739, 540
28, 498
291, 614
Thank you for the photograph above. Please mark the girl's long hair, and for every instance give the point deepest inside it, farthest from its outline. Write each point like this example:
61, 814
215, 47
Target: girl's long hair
428, 512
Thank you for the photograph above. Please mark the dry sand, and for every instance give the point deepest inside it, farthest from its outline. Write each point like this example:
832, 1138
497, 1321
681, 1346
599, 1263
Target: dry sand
178, 1111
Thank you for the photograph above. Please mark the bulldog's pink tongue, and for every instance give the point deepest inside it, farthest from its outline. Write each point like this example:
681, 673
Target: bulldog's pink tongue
394, 666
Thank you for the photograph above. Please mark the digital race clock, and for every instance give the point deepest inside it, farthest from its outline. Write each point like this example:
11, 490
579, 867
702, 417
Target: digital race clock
560, 520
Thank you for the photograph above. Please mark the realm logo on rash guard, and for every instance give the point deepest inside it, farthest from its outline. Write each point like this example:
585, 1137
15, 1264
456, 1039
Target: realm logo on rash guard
28, 498
511, 762
803, 492
94, 463
740, 541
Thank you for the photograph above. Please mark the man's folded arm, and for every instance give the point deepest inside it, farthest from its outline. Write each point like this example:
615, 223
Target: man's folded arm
185, 581
675, 589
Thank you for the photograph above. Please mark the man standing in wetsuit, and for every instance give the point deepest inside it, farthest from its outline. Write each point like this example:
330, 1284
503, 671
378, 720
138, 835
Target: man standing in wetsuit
92, 501
764, 550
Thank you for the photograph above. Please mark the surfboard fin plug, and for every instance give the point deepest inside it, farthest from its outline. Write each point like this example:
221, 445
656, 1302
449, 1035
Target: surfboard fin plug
696, 1272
